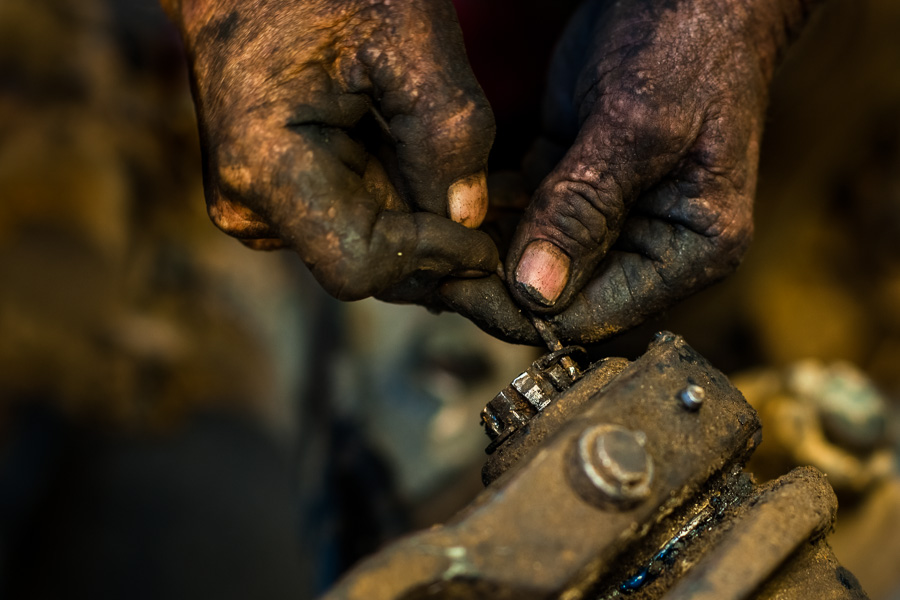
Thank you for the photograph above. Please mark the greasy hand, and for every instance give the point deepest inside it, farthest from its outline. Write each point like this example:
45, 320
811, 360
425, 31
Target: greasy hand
352, 131
653, 120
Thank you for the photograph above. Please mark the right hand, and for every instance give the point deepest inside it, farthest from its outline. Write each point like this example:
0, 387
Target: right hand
352, 131
652, 126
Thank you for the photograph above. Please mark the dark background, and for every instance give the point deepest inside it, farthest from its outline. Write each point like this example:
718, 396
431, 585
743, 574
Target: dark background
182, 417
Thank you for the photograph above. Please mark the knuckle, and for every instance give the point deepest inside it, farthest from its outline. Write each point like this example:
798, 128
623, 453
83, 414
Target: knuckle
347, 279
730, 243
234, 177
581, 213
465, 125
476, 115
734, 242
237, 220
225, 165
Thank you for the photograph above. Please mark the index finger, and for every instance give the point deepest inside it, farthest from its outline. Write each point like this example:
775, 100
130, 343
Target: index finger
316, 187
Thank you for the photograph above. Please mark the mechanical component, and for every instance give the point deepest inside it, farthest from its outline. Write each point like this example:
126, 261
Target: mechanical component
609, 465
828, 416
613, 489
528, 394
692, 397
554, 345
780, 518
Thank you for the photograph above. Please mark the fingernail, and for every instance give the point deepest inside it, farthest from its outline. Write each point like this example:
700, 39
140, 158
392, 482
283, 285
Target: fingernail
543, 272
467, 200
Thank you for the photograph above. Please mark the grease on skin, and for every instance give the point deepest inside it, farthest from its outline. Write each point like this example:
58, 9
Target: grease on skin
286, 92
237, 220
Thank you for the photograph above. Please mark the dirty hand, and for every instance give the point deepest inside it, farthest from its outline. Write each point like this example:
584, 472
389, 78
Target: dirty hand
352, 131
652, 127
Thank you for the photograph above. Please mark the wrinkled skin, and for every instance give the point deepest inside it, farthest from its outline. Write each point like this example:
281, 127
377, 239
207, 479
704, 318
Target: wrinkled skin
351, 131
652, 122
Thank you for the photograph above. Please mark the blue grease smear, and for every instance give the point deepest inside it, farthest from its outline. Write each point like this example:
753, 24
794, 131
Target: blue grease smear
666, 555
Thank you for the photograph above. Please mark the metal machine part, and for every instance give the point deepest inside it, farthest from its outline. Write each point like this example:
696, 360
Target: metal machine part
530, 392
627, 483
527, 395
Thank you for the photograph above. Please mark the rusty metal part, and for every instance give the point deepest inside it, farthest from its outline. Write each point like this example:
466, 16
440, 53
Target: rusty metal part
554, 345
521, 441
558, 521
529, 394
530, 534
796, 508
813, 572
609, 466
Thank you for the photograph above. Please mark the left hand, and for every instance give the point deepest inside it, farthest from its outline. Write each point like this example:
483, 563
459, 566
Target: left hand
352, 131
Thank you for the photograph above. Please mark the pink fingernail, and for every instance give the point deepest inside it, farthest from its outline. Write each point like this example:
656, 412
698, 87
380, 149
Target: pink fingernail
543, 272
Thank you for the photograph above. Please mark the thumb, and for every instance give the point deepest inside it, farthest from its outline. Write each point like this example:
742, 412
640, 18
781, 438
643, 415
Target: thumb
578, 210
437, 115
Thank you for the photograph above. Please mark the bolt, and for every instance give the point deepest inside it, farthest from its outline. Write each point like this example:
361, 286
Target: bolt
612, 465
692, 397
663, 337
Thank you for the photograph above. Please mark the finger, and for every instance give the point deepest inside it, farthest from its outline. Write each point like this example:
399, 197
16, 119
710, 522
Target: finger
415, 250
690, 234
487, 303
436, 112
315, 188
624, 147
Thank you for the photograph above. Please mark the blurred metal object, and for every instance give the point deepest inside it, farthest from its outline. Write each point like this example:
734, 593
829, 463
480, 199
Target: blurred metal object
830, 416
611, 467
851, 409
552, 524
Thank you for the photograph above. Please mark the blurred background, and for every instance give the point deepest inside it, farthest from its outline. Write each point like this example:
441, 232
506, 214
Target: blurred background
181, 416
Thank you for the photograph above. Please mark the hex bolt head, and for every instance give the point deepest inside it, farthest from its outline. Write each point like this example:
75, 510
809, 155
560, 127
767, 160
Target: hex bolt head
692, 397
610, 466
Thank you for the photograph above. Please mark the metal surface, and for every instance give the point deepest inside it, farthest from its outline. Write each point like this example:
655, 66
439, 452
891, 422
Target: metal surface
624, 493
529, 394
521, 441
692, 397
530, 534
796, 508
609, 466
